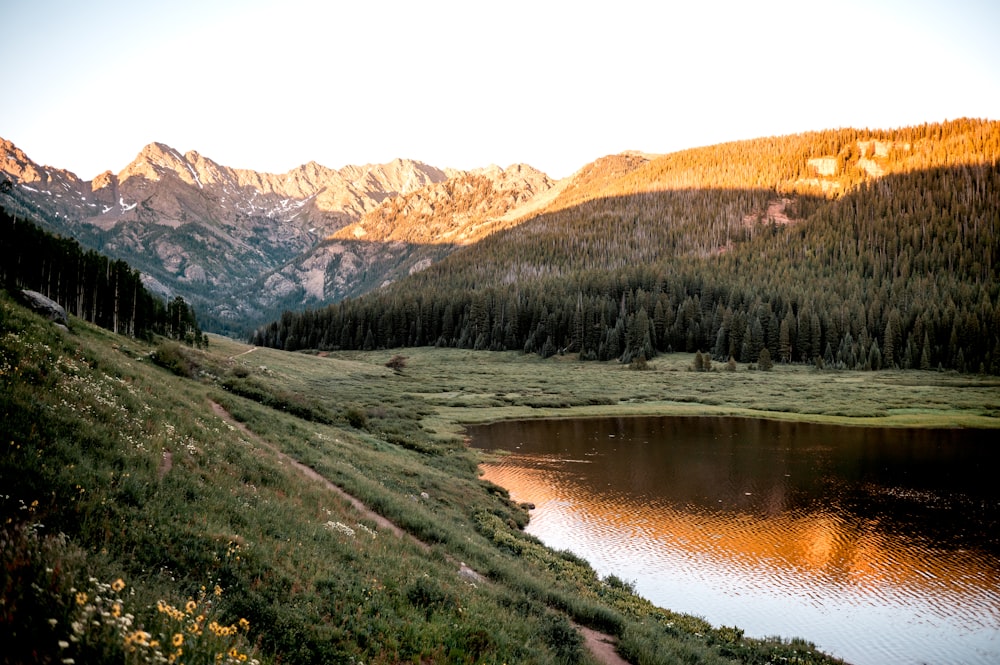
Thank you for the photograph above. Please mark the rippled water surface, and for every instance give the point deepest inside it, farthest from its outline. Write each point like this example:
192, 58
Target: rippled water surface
879, 545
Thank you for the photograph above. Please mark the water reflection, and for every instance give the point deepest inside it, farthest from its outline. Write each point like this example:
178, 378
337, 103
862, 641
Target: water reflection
882, 546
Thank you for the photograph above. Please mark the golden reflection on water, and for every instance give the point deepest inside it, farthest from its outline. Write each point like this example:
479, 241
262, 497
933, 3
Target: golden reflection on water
705, 540
820, 546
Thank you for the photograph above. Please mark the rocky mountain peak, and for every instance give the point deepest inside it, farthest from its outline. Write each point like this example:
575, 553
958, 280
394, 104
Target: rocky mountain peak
400, 176
458, 210
207, 232
154, 162
17, 165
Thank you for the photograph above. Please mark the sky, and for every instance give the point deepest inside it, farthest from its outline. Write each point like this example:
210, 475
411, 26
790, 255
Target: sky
272, 85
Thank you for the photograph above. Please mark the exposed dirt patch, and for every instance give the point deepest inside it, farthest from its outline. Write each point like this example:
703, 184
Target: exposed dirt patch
775, 213
602, 646
166, 463
250, 350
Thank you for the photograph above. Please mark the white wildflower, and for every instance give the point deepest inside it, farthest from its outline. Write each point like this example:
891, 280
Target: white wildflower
341, 527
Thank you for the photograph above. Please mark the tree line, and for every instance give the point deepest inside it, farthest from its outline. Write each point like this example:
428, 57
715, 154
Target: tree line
89, 285
898, 271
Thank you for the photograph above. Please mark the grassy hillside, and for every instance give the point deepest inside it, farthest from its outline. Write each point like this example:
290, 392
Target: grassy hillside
129, 496
154, 508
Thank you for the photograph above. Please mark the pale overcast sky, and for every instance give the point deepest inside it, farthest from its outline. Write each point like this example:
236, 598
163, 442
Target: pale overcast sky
272, 85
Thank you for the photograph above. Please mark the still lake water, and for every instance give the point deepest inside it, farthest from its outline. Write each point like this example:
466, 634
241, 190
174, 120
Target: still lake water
881, 546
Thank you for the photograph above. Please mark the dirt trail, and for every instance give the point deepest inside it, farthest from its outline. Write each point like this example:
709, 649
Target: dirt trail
601, 645
365, 511
166, 463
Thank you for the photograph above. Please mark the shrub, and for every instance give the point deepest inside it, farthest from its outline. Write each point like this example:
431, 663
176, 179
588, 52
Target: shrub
396, 363
356, 417
171, 356
563, 639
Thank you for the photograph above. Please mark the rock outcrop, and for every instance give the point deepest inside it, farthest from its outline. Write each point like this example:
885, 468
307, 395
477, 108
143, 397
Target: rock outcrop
45, 306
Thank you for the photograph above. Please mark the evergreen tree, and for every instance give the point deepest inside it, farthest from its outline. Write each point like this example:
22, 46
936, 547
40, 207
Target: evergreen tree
764, 360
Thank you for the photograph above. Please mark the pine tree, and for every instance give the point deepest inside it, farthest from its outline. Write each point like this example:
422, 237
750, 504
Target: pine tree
925, 354
764, 360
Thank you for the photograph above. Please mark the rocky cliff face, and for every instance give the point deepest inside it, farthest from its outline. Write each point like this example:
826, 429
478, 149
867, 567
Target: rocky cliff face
404, 234
242, 244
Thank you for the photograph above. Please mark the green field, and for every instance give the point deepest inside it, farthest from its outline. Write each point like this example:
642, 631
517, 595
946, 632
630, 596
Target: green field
127, 500
460, 386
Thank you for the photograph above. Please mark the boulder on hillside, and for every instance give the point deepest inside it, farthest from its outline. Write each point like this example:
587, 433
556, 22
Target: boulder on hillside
45, 306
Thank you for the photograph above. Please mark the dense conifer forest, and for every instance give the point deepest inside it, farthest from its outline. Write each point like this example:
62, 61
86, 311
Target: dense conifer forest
843, 248
89, 285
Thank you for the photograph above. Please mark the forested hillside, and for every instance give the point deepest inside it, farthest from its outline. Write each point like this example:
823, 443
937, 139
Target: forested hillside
88, 284
844, 248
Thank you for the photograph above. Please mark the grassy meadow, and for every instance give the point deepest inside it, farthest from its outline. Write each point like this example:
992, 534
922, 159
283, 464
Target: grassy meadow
139, 525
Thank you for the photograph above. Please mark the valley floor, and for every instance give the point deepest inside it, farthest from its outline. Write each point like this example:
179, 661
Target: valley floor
463, 386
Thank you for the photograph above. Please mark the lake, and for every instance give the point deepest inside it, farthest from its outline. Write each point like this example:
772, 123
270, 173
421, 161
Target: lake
881, 546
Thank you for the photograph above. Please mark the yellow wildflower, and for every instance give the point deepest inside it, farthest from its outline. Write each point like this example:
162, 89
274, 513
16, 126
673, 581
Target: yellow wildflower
118, 585
218, 590
244, 624
81, 598
116, 610
178, 639
233, 653
191, 607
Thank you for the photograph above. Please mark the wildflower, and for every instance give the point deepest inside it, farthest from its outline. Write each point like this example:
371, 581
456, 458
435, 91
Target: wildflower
63, 644
116, 610
81, 598
178, 639
243, 658
118, 585
53, 622
244, 624
191, 607
218, 590
233, 653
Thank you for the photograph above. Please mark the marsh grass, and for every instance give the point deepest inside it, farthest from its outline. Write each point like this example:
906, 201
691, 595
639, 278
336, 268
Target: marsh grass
114, 467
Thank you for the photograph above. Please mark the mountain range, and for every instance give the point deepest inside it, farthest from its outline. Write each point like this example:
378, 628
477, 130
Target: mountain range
242, 245
852, 247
